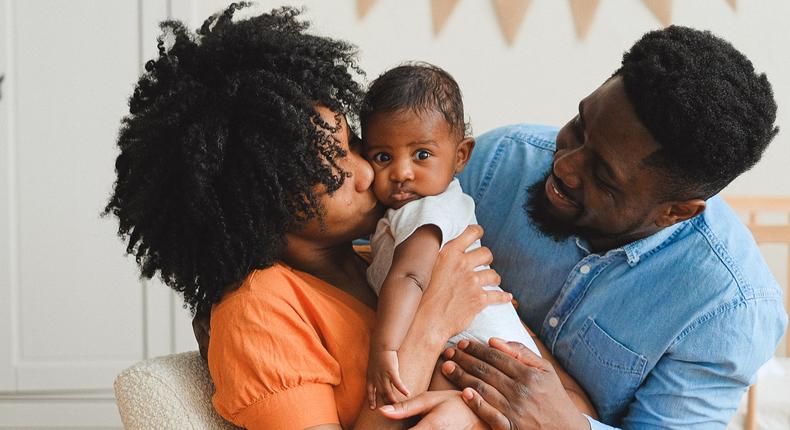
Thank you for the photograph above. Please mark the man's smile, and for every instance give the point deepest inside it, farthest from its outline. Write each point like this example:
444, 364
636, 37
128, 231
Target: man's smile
558, 198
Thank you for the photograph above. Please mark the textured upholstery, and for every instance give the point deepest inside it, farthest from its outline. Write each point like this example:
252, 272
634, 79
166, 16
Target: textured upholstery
170, 392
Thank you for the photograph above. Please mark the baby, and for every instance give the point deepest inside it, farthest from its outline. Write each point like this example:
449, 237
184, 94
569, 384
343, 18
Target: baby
415, 137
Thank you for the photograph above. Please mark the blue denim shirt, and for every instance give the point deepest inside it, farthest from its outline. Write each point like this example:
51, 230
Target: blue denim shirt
665, 332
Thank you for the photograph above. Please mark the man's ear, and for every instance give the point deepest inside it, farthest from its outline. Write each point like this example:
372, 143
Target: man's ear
677, 212
462, 153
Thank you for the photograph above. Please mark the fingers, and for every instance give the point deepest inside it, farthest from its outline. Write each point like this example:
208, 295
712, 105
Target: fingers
495, 297
465, 239
398, 384
487, 277
414, 406
481, 256
490, 415
475, 376
472, 353
387, 390
372, 396
518, 351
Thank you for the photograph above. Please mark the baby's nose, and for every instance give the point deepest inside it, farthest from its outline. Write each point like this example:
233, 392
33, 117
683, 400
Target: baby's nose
401, 172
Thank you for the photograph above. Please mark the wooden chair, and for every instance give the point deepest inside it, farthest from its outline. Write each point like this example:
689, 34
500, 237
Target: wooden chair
752, 207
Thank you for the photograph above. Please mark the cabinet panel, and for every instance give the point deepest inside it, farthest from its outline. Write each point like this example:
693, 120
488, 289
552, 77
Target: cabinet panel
79, 297
7, 221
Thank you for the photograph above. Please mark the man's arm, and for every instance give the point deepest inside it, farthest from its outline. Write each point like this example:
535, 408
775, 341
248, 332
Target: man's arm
696, 384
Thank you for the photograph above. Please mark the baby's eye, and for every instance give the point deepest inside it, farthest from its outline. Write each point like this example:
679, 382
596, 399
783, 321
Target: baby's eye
422, 154
381, 157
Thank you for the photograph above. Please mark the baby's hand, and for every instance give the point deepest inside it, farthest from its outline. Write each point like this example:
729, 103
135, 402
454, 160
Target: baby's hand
384, 378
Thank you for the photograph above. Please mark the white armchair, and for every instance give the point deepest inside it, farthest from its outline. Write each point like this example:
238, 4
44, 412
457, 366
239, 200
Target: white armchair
170, 392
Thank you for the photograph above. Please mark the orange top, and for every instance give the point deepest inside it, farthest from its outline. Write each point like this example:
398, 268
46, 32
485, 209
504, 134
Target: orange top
289, 351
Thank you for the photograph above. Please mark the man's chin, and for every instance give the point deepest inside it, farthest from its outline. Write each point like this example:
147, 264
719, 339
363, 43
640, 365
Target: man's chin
538, 208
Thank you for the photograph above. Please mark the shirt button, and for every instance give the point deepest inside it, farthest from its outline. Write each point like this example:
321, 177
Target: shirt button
585, 269
553, 321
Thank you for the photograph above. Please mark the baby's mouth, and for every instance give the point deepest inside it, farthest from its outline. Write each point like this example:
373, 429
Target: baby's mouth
401, 196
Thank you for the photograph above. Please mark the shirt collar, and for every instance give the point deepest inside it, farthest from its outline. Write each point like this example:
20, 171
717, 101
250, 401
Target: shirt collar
637, 249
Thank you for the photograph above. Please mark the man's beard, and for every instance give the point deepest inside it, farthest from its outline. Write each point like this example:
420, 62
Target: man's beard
537, 207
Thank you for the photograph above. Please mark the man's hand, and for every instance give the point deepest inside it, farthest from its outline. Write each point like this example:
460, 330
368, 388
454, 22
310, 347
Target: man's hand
441, 410
510, 387
201, 326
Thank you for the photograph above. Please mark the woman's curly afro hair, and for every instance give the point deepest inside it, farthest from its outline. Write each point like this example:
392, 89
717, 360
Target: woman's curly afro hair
703, 102
222, 147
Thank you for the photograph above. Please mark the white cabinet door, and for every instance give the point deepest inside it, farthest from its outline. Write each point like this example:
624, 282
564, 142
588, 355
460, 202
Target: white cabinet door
73, 312
79, 301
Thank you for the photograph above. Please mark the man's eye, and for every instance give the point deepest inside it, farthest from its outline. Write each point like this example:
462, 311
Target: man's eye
381, 157
605, 187
577, 129
422, 154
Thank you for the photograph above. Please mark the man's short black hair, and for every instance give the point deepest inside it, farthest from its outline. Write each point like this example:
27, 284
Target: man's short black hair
417, 86
223, 151
702, 101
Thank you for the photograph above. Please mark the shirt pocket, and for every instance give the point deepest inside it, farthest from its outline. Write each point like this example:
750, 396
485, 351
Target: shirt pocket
608, 370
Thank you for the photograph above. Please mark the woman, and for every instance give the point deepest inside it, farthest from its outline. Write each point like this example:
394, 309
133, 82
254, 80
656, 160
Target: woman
240, 184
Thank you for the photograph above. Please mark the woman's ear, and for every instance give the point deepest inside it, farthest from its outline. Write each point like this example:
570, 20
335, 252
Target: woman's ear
462, 153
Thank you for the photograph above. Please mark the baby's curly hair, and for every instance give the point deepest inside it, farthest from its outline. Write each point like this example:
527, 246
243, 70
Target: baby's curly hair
222, 148
702, 101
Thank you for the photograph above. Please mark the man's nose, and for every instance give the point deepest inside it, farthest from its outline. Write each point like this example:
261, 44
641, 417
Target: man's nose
401, 171
568, 166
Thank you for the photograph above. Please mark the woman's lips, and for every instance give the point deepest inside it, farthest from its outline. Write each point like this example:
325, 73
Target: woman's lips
557, 198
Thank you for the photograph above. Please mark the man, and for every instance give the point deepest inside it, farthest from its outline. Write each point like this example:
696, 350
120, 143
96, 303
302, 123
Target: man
639, 280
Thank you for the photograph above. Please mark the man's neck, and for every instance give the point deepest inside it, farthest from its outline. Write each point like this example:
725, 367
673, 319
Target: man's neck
603, 244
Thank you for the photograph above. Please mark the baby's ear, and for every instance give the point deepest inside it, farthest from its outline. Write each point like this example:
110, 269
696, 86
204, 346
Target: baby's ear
463, 152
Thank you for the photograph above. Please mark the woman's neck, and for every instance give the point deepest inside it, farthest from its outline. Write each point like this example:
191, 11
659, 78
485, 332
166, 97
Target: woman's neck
337, 265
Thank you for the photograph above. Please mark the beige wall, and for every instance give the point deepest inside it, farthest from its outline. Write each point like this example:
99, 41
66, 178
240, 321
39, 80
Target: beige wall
542, 77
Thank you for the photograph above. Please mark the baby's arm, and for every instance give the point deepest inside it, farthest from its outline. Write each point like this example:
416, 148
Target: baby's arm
410, 272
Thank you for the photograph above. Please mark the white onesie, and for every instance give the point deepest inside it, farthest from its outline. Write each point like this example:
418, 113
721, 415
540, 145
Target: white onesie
451, 211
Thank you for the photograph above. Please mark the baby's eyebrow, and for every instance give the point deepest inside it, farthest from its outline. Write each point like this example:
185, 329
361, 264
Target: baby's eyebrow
373, 146
423, 142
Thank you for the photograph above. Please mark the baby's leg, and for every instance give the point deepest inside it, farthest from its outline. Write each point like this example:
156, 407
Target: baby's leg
438, 381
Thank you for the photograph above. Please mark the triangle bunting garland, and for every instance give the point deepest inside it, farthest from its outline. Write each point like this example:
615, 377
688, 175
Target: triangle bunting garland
662, 9
510, 13
363, 7
440, 12
583, 12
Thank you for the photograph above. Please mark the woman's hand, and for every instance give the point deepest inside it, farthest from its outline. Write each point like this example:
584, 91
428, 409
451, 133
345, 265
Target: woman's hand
440, 410
455, 294
508, 386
